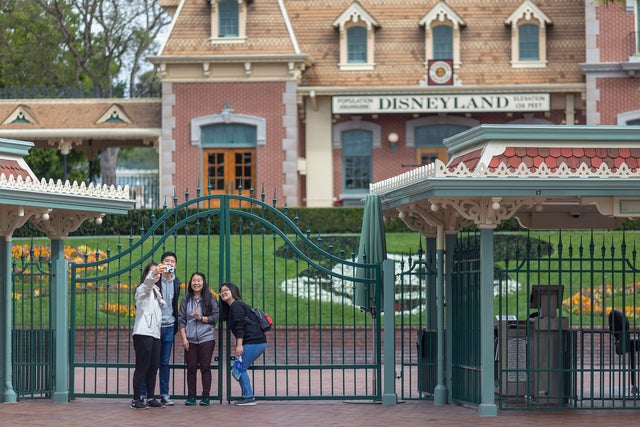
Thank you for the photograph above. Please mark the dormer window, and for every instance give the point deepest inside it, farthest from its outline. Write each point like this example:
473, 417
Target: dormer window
228, 18
442, 33
357, 38
528, 36
21, 115
357, 45
229, 21
442, 42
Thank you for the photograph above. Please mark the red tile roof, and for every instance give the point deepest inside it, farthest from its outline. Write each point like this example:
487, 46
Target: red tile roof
470, 160
12, 167
552, 157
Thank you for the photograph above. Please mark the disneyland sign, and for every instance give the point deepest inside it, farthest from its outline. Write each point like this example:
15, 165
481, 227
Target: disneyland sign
488, 102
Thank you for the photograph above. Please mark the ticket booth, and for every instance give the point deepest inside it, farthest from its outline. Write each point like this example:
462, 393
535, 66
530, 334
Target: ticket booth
552, 347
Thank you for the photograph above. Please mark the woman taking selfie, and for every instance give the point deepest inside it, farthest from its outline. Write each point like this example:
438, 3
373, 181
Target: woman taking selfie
146, 336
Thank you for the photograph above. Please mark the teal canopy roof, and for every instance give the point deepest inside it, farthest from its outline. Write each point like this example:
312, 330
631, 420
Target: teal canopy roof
545, 176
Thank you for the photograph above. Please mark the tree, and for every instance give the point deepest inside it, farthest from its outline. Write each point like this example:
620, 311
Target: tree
31, 54
103, 36
86, 44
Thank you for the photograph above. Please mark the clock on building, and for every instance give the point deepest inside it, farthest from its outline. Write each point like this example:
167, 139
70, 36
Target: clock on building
440, 72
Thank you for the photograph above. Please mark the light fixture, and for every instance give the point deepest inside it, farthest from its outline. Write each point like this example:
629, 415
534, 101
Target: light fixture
393, 141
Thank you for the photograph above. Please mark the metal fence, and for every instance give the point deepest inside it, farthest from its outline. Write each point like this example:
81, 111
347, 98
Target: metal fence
65, 92
558, 343
144, 186
321, 346
31, 336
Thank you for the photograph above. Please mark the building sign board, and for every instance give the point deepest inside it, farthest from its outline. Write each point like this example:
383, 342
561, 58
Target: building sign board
443, 103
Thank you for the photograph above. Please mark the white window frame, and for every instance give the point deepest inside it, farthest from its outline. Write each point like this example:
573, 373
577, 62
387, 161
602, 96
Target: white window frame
411, 125
442, 14
634, 6
228, 116
528, 13
356, 123
242, 23
356, 15
623, 119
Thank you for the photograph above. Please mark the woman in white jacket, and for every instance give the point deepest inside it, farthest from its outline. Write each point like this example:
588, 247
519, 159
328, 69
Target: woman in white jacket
146, 336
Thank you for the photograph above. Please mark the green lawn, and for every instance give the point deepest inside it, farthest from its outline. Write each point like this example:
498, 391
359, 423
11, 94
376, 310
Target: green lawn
260, 278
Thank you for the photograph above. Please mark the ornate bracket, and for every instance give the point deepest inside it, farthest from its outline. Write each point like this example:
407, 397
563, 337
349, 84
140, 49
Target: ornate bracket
16, 216
416, 223
61, 223
485, 212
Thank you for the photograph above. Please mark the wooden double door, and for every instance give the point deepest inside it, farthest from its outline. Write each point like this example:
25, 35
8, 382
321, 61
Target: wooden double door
229, 170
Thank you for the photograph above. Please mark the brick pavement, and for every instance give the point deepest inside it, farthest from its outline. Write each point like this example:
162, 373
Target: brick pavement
116, 412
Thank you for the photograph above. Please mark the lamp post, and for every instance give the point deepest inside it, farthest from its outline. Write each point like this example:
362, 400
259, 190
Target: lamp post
393, 141
65, 149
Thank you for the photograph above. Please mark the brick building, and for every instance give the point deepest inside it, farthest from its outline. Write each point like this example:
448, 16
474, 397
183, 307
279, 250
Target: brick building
612, 67
316, 99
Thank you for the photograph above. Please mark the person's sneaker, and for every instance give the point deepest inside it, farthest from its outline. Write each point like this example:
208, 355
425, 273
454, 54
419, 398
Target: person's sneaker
166, 401
137, 404
249, 401
190, 401
204, 401
153, 403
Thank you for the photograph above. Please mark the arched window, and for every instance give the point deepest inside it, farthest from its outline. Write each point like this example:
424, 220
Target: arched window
229, 21
443, 42
356, 29
428, 140
228, 142
442, 32
529, 26
229, 135
356, 161
529, 42
357, 45
228, 18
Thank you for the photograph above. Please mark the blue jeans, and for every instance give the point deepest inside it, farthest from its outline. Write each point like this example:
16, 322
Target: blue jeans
166, 345
251, 353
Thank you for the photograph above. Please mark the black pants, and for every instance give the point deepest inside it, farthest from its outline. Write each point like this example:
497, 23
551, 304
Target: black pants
147, 350
199, 357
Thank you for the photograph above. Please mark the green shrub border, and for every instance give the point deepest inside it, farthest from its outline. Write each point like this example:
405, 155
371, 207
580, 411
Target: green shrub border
335, 220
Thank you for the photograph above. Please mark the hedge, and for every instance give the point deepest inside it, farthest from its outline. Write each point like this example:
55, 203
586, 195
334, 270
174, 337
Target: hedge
323, 221
336, 220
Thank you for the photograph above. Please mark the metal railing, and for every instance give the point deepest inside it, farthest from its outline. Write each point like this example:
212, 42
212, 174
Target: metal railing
144, 186
66, 92
555, 340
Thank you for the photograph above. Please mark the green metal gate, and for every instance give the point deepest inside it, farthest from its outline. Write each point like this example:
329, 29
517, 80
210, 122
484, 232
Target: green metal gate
416, 329
32, 340
464, 308
558, 344
321, 345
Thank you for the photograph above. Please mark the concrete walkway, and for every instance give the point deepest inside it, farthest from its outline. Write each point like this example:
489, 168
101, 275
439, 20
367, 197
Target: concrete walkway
116, 412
